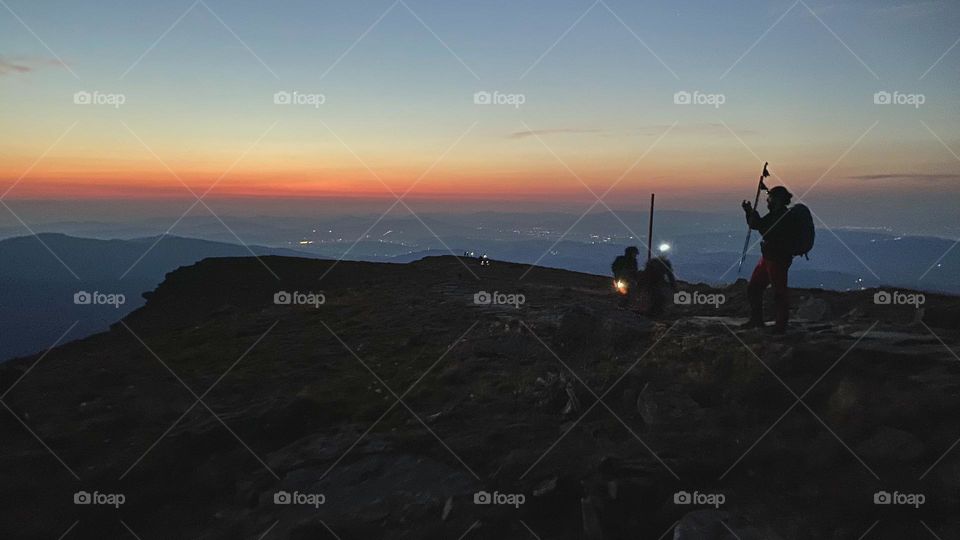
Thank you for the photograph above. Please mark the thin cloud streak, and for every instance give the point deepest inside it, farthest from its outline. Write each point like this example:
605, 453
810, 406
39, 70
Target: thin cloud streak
908, 177
17, 65
555, 131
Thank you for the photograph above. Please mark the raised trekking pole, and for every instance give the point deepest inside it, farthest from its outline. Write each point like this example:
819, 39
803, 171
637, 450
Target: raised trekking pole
650, 229
756, 200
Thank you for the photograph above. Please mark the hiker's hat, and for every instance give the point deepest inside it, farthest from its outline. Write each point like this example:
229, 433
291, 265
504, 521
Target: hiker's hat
781, 193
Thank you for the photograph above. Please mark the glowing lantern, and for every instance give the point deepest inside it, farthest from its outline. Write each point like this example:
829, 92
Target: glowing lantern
620, 286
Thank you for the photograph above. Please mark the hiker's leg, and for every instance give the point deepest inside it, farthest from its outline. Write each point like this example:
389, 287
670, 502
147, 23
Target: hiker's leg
781, 294
638, 293
657, 301
758, 282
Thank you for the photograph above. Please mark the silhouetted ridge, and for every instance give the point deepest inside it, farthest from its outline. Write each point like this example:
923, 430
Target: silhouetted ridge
503, 364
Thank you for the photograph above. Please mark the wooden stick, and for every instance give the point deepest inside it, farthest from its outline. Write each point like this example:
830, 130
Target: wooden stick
650, 229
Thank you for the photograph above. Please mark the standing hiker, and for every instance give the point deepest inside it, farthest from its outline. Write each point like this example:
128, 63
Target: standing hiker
780, 240
657, 283
625, 270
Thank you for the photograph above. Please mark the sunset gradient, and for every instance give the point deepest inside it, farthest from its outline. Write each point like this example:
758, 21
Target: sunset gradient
398, 80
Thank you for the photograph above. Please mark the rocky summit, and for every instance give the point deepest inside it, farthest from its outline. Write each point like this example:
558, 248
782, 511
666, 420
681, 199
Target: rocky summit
451, 399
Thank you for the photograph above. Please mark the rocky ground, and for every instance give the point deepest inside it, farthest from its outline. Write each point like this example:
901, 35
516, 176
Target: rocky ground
393, 408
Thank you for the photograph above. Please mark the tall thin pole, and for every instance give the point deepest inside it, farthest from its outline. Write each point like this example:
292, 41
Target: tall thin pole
650, 229
756, 201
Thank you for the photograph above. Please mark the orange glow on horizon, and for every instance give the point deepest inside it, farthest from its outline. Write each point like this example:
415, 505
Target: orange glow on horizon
466, 177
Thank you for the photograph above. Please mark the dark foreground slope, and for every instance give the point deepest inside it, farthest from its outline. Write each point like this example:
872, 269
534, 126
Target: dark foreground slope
399, 399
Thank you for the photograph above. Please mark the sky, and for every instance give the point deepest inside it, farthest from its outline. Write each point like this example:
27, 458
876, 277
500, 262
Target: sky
372, 99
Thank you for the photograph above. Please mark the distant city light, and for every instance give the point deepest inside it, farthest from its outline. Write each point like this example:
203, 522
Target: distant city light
664, 247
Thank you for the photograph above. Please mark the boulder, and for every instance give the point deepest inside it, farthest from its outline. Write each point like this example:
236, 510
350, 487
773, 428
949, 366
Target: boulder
590, 516
942, 316
579, 328
666, 407
573, 402
555, 392
848, 405
715, 525
814, 309
584, 328
889, 444
623, 329
822, 452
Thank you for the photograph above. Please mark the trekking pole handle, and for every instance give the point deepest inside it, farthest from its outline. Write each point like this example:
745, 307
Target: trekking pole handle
756, 201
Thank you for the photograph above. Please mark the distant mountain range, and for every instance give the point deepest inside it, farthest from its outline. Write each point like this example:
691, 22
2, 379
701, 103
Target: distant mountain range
704, 245
841, 260
39, 277
36, 291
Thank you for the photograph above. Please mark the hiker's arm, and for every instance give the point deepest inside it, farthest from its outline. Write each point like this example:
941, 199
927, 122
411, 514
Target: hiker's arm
754, 221
764, 223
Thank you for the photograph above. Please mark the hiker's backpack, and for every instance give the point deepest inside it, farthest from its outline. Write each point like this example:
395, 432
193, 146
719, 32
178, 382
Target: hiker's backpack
802, 233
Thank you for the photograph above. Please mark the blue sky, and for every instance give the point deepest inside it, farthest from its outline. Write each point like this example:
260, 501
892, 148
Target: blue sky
598, 79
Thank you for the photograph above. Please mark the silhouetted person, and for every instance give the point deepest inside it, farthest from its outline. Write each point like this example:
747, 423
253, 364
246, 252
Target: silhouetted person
625, 273
658, 283
776, 256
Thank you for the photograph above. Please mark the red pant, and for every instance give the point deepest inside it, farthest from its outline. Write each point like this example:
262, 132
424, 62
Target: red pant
770, 272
